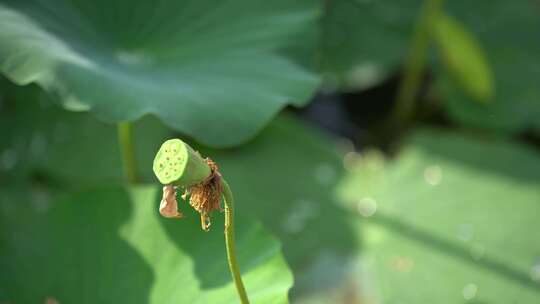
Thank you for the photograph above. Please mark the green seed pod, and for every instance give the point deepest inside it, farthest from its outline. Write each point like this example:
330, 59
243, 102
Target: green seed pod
178, 164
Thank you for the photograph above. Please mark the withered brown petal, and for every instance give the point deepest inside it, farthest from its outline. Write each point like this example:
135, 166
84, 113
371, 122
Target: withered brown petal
169, 206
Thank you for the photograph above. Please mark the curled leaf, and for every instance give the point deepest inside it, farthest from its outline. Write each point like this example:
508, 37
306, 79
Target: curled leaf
464, 58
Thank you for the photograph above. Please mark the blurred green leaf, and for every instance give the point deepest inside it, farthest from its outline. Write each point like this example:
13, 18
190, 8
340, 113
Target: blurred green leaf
286, 177
508, 32
464, 58
41, 140
202, 67
364, 41
453, 213
110, 245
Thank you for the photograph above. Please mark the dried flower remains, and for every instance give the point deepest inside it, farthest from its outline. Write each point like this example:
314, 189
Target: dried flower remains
204, 197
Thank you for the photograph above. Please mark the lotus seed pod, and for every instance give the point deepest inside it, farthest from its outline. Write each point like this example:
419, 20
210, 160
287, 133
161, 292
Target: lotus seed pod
178, 164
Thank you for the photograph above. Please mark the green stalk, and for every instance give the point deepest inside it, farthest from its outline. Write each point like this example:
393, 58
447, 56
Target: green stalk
230, 244
415, 63
127, 151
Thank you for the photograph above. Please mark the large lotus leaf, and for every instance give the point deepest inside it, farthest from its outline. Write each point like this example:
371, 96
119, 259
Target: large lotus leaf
39, 139
211, 70
285, 177
508, 32
110, 245
452, 219
365, 41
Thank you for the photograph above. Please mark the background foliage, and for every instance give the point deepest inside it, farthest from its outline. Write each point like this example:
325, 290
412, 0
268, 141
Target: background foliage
335, 203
